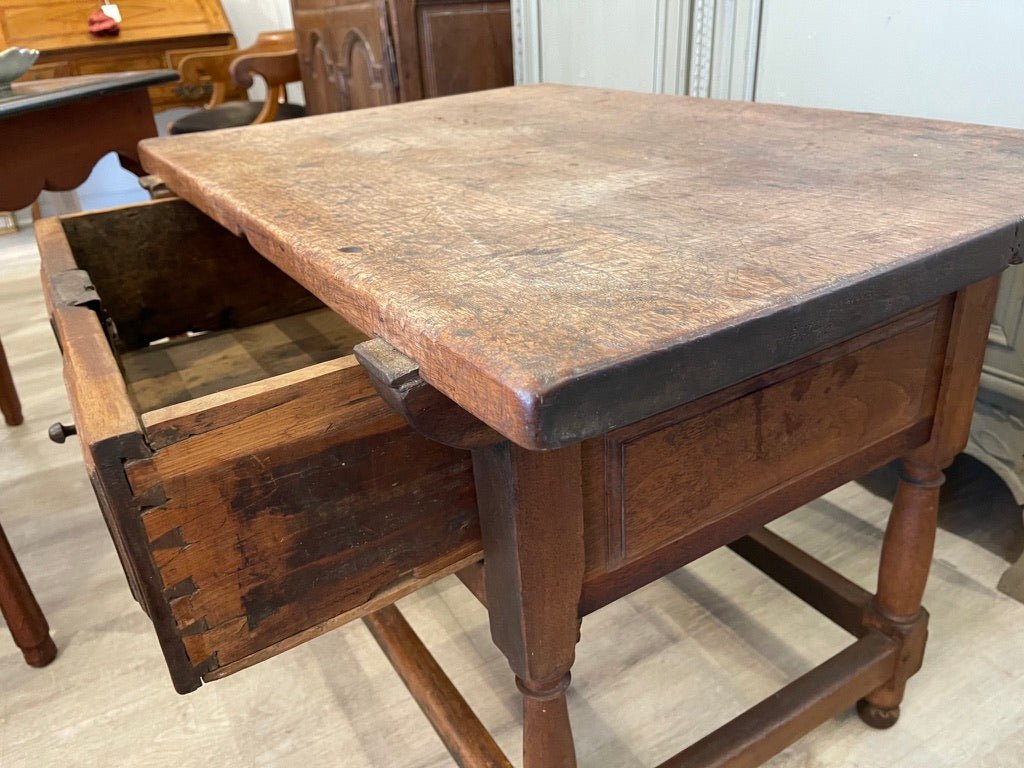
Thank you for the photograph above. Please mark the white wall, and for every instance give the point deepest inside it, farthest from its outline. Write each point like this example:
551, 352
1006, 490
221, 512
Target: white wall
699, 47
949, 59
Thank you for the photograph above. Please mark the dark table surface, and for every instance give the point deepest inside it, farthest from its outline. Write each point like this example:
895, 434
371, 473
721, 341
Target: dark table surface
42, 94
561, 261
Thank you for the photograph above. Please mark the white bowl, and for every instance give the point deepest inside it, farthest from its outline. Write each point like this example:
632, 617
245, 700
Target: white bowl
15, 62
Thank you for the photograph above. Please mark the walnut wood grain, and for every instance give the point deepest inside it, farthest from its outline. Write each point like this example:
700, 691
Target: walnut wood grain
139, 256
631, 271
329, 496
110, 435
356, 54
769, 727
675, 473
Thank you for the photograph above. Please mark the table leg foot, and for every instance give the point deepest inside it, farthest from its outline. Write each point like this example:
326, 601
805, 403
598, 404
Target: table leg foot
877, 717
40, 655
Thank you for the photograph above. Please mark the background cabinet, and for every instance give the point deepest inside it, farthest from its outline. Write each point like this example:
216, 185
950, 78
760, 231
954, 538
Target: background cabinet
367, 53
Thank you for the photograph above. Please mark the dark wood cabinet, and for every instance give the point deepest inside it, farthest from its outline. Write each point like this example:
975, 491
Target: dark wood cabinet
368, 53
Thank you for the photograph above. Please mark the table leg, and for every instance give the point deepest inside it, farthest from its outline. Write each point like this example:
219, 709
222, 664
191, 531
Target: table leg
902, 575
531, 519
21, 611
9, 403
910, 534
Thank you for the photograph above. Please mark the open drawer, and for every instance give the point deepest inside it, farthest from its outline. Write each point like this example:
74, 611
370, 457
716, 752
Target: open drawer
258, 490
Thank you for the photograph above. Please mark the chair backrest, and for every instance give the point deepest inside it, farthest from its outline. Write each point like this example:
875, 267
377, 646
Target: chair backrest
217, 66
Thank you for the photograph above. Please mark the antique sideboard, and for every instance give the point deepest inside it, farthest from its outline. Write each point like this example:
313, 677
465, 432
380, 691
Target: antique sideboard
153, 36
529, 337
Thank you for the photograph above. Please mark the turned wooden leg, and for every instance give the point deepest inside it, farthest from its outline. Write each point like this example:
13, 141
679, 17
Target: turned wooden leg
9, 403
22, 612
531, 519
902, 575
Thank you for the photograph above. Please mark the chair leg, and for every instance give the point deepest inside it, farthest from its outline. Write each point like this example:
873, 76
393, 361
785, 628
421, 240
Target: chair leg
9, 403
21, 611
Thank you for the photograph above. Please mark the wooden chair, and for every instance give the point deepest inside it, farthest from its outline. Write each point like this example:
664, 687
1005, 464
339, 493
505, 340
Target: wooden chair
273, 57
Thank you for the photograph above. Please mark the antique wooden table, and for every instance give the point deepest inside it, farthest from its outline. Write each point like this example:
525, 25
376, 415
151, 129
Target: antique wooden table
52, 132
653, 323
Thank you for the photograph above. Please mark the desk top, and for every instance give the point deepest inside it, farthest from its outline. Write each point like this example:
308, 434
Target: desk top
30, 95
561, 261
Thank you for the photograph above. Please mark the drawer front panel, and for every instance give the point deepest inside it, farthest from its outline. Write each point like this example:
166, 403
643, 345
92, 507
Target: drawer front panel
684, 470
299, 503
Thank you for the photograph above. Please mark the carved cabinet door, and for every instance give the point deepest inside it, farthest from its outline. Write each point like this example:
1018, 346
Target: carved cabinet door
346, 54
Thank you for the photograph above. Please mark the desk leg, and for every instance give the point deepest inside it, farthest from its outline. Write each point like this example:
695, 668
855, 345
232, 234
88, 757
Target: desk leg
9, 403
531, 519
910, 534
21, 611
902, 575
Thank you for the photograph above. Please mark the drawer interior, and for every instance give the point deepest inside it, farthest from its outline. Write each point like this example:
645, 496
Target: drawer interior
192, 310
259, 490
174, 371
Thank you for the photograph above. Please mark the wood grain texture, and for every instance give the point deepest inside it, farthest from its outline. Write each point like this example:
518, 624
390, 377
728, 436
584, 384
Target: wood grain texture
286, 503
531, 521
356, 54
139, 257
769, 727
677, 472
636, 251
110, 435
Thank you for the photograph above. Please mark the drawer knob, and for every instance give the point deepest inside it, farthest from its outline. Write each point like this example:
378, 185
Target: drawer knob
59, 433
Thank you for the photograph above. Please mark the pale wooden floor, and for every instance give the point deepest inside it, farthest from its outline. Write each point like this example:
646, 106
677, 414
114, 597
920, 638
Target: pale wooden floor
654, 671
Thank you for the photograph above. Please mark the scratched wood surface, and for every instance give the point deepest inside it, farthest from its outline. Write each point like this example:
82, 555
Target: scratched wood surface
564, 260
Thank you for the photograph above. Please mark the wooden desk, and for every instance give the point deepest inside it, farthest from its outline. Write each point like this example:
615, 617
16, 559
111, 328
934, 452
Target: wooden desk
54, 131
652, 324
153, 36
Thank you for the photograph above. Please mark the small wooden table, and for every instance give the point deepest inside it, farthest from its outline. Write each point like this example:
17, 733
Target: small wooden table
52, 132
657, 323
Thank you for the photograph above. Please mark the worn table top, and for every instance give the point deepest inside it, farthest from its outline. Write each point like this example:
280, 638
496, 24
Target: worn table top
30, 95
561, 261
